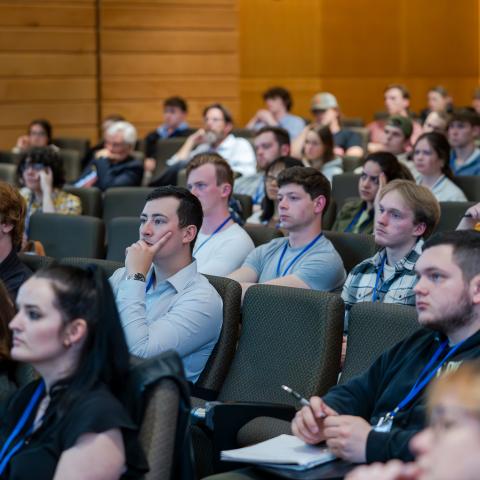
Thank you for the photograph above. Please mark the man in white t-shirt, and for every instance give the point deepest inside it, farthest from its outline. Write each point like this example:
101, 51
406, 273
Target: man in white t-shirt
222, 245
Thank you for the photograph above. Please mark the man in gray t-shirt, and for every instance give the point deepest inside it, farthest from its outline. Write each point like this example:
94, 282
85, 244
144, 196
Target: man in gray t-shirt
306, 259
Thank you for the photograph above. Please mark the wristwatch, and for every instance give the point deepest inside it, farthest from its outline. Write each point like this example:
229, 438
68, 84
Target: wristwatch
137, 276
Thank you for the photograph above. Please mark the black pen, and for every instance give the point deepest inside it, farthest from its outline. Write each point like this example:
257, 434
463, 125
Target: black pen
303, 401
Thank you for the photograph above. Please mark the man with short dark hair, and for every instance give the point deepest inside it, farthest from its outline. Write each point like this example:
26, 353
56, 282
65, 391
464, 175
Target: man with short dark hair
398, 131
278, 103
12, 220
221, 245
269, 143
306, 258
463, 130
373, 416
215, 137
163, 302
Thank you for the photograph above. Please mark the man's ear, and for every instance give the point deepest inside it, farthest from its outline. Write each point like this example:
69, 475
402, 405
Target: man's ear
228, 128
475, 289
419, 229
319, 204
189, 233
285, 150
225, 189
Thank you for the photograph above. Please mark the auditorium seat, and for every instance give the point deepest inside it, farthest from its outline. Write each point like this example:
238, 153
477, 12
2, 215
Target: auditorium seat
261, 234
68, 235
165, 149
107, 266
8, 173
344, 186
470, 185
329, 215
6, 156
351, 163
91, 198
450, 215
81, 145
72, 164
373, 328
121, 233
35, 262
124, 202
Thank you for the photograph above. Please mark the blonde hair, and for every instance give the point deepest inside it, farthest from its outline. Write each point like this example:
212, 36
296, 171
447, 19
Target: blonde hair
419, 199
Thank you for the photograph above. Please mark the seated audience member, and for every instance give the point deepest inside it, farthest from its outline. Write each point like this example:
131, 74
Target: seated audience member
41, 173
448, 448
115, 167
463, 130
99, 149
306, 258
373, 416
471, 219
398, 131
12, 220
406, 214
39, 135
70, 422
357, 215
221, 245
269, 143
431, 156
278, 103
215, 137
326, 112
436, 122
163, 302
438, 100
397, 102
7, 379
268, 212
318, 152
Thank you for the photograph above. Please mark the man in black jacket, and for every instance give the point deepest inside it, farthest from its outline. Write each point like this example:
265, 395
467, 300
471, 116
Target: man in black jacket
374, 416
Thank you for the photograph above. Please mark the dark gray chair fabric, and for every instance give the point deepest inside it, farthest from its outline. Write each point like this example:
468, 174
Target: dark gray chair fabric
8, 173
7, 156
81, 145
450, 215
470, 186
221, 357
351, 163
165, 149
261, 234
124, 202
352, 247
107, 266
35, 262
72, 164
246, 204
329, 215
373, 328
121, 233
68, 235
344, 186
91, 198
364, 135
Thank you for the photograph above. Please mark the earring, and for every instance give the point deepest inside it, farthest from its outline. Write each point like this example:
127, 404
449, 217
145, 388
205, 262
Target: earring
67, 343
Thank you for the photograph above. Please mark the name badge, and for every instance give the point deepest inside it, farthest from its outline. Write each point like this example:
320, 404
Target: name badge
384, 425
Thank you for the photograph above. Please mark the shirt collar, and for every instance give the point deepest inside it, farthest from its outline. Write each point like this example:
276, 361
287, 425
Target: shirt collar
227, 143
406, 263
180, 279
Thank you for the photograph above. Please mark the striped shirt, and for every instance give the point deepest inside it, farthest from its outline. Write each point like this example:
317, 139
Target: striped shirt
395, 286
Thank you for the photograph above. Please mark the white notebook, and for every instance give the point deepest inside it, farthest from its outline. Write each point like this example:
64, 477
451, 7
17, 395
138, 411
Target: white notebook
284, 451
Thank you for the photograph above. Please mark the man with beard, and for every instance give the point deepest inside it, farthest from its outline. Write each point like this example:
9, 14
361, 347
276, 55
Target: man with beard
374, 416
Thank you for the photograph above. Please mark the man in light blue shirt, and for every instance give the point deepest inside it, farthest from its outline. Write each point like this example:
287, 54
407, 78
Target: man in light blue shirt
164, 303
306, 259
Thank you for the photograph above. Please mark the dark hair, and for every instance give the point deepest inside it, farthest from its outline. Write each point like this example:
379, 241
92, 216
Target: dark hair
46, 125
87, 294
12, 212
281, 135
465, 115
399, 86
313, 182
390, 166
227, 116
223, 171
176, 102
279, 92
466, 249
325, 135
49, 158
439, 143
189, 209
7, 312
440, 90
268, 206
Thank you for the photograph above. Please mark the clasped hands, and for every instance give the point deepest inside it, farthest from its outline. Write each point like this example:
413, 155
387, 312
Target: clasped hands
345, 435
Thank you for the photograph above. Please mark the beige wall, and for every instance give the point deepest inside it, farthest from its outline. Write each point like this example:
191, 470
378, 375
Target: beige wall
223, 50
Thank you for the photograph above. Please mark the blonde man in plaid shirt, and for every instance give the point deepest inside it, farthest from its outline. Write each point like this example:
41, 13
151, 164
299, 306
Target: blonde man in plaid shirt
406, 213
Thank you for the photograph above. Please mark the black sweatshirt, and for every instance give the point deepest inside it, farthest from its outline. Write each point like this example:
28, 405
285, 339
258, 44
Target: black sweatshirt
387, 382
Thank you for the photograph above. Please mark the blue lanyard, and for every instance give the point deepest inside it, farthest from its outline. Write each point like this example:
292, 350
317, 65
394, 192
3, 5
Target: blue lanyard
355, 219
259, 192
150, 281
214, 233
305, 250
4, 456
420, 384
377, 280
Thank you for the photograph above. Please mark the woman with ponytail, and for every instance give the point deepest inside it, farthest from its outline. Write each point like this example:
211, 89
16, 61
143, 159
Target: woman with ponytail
69, 423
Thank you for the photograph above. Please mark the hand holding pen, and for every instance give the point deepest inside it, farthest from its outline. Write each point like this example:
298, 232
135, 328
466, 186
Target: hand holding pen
470, 218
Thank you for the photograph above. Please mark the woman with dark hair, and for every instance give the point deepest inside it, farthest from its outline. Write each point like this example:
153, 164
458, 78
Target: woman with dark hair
69, 423
357, 215
39, 135
41, 173
318, 151
267, 213
431, 156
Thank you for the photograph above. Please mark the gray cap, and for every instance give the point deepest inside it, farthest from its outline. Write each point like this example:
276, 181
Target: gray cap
324, 101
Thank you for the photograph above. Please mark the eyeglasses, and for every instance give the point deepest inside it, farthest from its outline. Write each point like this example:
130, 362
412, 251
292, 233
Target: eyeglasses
270, 179
35, 166
37, 133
